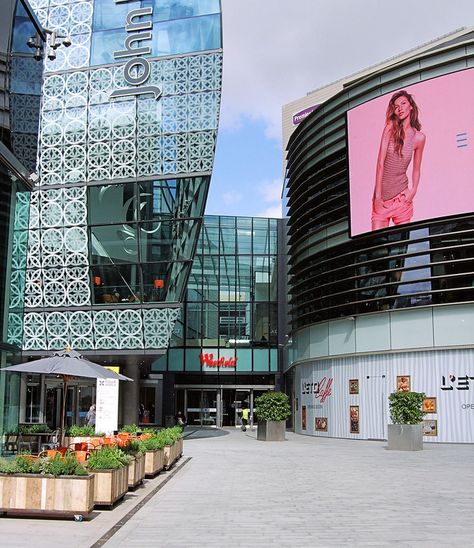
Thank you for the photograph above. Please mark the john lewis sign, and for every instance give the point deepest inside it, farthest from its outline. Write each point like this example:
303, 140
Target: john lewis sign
139, 27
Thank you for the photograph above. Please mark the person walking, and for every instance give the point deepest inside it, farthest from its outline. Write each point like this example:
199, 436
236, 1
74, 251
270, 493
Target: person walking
245, 417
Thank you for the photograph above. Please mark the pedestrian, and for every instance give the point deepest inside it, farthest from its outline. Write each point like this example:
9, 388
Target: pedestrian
245, 418
181, 420
91, 416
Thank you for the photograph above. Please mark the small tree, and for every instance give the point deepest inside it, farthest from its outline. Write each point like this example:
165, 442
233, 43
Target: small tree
406, 407
272, 406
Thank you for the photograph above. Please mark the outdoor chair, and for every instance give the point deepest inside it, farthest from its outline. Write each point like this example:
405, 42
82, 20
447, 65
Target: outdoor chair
50, 453
11, 444
81, 456
24, 444
53, 442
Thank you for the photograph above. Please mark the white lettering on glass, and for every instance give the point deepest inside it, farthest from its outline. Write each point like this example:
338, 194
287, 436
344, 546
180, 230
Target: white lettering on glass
137, 70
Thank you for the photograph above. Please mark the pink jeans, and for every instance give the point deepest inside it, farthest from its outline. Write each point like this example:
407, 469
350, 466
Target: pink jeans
397, 210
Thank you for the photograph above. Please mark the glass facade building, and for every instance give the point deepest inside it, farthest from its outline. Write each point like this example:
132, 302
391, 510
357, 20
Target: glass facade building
20, 90
128, 127
127, 133
392, 303
225, 346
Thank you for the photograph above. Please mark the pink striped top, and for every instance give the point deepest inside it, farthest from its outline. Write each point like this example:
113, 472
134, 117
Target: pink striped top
394, 178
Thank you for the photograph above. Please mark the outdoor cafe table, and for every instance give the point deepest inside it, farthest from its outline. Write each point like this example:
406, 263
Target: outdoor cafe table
35, 440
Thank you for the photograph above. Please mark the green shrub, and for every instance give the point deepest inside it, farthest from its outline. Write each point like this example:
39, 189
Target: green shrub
80, 431
57, 466
7, 466
152, 444
130, 429
272, 406
406, 407
133, 447
108, 458
33, 428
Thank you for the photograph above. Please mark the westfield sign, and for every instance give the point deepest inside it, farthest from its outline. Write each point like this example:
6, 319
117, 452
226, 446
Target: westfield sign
209, 361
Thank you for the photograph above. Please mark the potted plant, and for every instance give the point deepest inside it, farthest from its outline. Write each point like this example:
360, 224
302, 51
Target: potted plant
57, 486
80, 434
406, 434
136, 468
109, 465
171, 438
153, 448
272, 409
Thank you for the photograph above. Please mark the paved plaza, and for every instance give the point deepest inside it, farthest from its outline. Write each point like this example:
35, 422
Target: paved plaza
232, 490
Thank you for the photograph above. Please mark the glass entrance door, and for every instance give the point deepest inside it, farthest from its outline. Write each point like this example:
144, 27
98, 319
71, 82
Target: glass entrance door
242, 400
202, 407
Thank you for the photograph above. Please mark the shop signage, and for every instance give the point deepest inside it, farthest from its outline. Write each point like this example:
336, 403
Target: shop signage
209, 361
107, 394
137, 70
321, 389
298, 117
460, 383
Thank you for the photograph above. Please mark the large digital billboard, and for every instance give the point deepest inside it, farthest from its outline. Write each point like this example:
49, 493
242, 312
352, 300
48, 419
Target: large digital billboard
410, 154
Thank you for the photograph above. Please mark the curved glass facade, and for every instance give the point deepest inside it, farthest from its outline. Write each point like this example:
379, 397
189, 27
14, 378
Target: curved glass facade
128, 134
332, 276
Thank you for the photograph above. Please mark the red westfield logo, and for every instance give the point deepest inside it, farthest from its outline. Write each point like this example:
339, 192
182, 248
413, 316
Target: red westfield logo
209, 361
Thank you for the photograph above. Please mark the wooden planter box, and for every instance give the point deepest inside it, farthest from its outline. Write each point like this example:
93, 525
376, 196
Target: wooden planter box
153, 462
168, 456
136, 471
50, 495
172, 454
110, 485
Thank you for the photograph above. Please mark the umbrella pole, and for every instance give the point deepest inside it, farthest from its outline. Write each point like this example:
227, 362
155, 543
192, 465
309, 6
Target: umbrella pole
63, 411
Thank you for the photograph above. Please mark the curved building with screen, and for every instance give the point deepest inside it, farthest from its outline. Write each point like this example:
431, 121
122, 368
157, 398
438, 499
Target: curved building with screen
128, 129
381, 239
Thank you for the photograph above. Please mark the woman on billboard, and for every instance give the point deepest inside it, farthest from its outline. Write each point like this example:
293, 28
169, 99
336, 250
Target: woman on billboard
401, 141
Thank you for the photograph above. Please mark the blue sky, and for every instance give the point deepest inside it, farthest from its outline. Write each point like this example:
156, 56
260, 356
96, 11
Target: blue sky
275, 51
247, 172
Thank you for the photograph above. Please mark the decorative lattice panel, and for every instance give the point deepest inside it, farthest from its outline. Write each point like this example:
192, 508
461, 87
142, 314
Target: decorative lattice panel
87, 137
97, 329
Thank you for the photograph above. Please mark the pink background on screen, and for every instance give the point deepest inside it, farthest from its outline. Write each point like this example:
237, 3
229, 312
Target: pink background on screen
446, 108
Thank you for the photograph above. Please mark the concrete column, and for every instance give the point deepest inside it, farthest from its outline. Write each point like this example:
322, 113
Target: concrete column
129, 395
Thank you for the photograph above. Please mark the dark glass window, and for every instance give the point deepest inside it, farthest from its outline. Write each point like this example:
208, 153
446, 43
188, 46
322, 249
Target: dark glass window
112, 203
114, 244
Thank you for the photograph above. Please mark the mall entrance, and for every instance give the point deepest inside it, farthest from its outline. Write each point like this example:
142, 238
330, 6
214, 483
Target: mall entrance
217, 407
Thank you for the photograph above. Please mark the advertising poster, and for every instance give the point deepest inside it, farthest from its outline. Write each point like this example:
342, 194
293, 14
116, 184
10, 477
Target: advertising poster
410, 156
353, 386
354, 418
429, 405
321, 424
430, 428
403, 383
303, 417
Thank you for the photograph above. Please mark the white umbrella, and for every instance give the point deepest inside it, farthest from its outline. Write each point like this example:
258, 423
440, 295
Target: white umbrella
66, 363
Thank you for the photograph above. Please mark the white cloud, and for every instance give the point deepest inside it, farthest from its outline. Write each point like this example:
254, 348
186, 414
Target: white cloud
276, 51
272, 211
231, 197
270, 190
